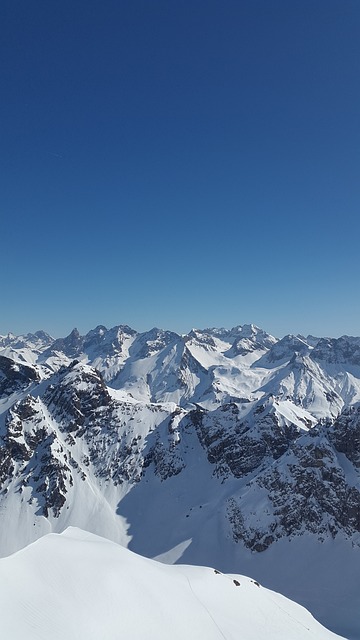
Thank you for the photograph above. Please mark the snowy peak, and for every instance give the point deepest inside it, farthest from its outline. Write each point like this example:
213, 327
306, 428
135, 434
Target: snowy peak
247, 337
107, 342
39, 341
97, 342
78, 391
251, 331
70, 346
250, 338
205, 338
153, 341
285, 349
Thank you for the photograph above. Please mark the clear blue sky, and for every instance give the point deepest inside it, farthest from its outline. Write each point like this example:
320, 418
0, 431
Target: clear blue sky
180, 163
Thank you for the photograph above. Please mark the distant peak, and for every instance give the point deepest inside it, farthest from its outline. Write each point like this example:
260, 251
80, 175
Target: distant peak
43, 335
100, 329
250, 329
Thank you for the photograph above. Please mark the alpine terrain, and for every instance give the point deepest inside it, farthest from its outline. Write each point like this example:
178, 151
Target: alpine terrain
226, 448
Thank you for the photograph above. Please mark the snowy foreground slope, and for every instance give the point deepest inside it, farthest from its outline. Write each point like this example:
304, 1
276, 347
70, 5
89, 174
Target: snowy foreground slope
226, 448
82, 587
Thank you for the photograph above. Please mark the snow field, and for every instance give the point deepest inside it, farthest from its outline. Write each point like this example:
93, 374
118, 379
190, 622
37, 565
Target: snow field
82, 587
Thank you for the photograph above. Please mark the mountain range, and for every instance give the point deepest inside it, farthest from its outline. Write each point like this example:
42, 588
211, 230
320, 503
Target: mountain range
227, 448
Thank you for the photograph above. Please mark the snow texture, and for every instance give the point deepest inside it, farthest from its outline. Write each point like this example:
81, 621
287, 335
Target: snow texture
82, 587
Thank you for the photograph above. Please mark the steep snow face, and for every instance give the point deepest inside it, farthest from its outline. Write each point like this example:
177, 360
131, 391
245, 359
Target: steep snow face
79, 586
302, 381
165, 372
240, 345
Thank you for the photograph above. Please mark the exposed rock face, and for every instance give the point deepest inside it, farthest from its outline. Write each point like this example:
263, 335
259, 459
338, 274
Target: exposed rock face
344, 433
240, 446
79, 393
15, 376
77, 429
33, 454
71, 346
307, 490
338, 350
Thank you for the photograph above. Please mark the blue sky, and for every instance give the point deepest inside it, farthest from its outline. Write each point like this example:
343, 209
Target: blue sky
180, 164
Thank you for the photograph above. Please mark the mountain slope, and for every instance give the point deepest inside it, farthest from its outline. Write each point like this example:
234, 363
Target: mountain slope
82, 587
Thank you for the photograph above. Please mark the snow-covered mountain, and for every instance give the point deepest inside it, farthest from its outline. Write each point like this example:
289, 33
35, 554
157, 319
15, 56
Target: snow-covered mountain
82, 587
220, 447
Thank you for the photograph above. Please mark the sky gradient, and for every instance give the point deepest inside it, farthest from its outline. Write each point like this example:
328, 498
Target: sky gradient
180, 164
